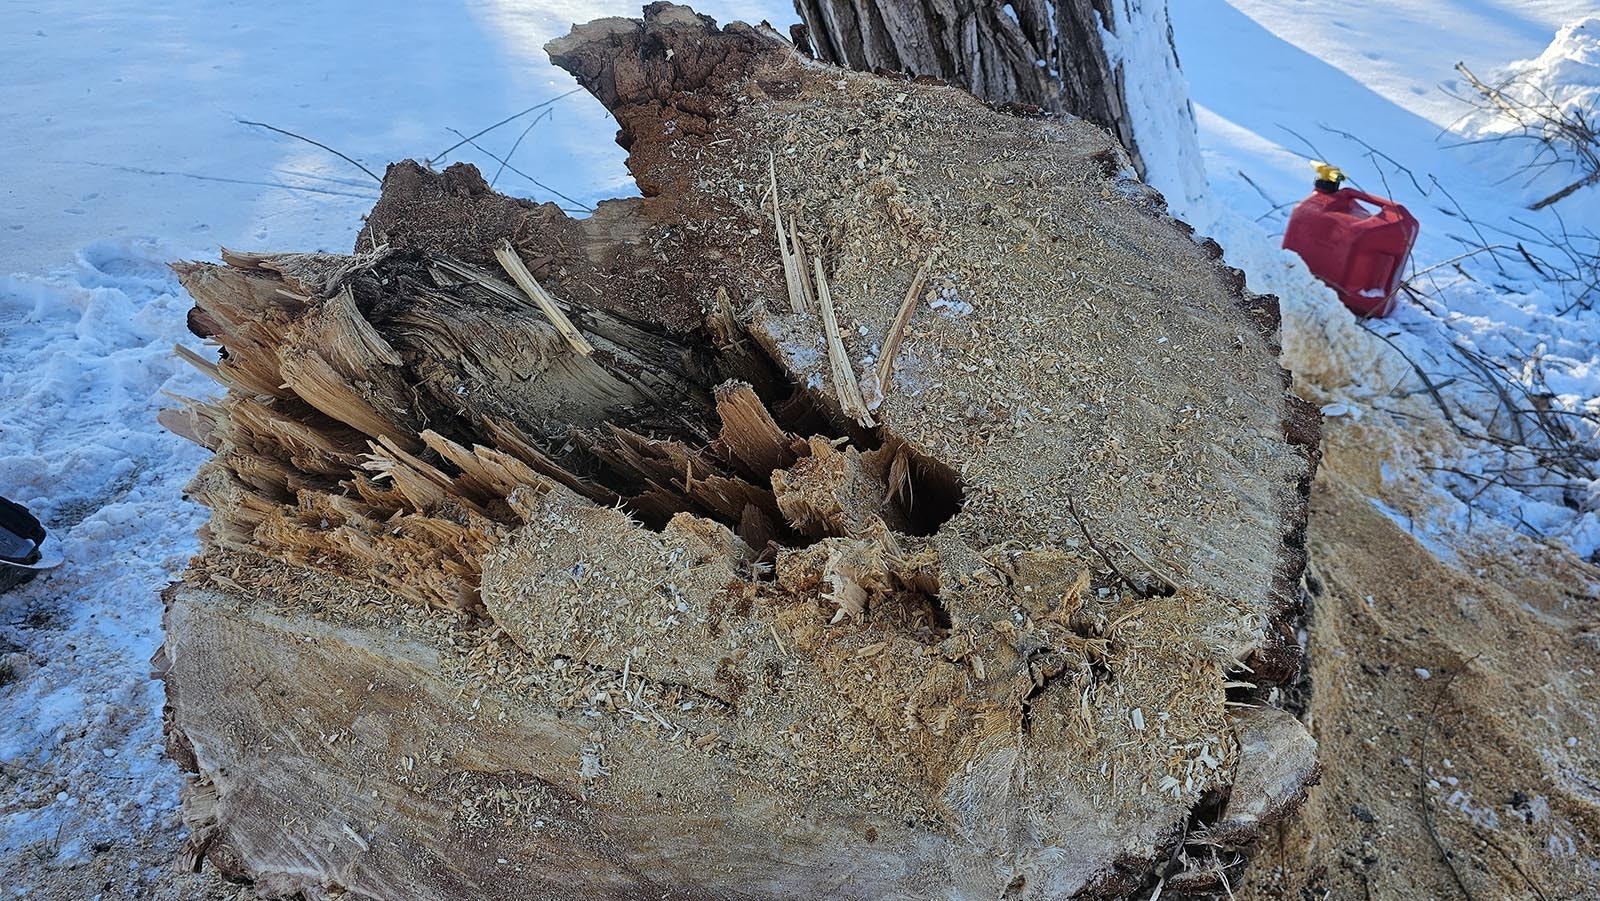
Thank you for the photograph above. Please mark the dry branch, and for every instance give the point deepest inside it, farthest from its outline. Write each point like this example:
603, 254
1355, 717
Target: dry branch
1564, 135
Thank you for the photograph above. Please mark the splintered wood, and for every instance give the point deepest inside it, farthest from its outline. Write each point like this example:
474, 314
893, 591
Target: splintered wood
507, 255
897, 329
789, 250
844, 375
611, 577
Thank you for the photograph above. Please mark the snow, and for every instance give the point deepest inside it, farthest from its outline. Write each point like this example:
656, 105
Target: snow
1567, 76
86, 355
124, 120
126, 150
1165, 119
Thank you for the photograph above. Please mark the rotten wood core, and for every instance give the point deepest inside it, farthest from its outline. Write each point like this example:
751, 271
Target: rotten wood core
424, 390
822, 511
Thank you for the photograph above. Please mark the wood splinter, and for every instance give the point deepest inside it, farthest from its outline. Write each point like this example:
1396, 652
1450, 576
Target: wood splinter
507, 255
794, 277
844, 375
897, 331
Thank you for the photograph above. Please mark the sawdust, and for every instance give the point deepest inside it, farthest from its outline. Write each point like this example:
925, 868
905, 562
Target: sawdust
1052, 271
1465, 685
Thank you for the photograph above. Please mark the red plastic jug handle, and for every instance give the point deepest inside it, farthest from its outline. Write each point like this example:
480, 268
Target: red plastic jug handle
1382, 203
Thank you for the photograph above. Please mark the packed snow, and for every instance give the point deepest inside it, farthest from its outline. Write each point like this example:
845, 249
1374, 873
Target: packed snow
86, 356
128, 149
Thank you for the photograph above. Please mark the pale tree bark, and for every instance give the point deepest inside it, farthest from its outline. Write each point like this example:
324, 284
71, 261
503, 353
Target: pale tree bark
1045, 53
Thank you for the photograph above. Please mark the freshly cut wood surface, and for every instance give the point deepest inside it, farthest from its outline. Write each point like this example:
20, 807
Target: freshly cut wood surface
714, 609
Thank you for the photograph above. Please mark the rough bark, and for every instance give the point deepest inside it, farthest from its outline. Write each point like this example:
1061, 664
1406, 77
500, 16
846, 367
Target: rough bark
1034, 53
711, 610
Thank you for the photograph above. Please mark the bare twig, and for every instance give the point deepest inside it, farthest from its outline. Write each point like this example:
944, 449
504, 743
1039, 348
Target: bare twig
284, 131
1565, 135
1072, 511
1488, 248
1170, 583
1534, 886
517, 143
1482, 241
136, 170
1274, 206
1422, 780
1374, 154
1531, 261
1315, 153
1433, 390
1498, 388
1586, 181
535, 181
480, 133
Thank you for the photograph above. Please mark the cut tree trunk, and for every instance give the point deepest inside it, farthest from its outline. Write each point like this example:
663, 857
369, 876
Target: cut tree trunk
604, 563
1049, 55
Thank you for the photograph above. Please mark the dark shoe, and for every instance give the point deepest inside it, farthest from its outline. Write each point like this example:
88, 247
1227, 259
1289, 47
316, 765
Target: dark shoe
21, 540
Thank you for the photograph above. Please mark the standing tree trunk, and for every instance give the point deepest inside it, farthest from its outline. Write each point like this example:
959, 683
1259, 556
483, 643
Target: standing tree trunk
1035, 52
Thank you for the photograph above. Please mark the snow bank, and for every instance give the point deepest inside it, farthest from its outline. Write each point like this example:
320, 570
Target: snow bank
1157, 97
85, 356
1563, 82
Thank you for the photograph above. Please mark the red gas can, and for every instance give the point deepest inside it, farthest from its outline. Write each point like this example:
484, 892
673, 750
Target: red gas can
1361, 254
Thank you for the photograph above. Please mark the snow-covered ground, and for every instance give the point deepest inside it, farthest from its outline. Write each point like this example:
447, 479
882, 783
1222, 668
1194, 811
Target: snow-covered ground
1372, 87
122, 123
86, 354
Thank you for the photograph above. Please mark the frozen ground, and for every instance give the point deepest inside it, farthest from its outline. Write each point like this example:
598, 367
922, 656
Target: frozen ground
125, 150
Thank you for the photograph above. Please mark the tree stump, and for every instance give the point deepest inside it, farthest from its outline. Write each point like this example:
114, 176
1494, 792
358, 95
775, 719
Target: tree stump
892, 502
